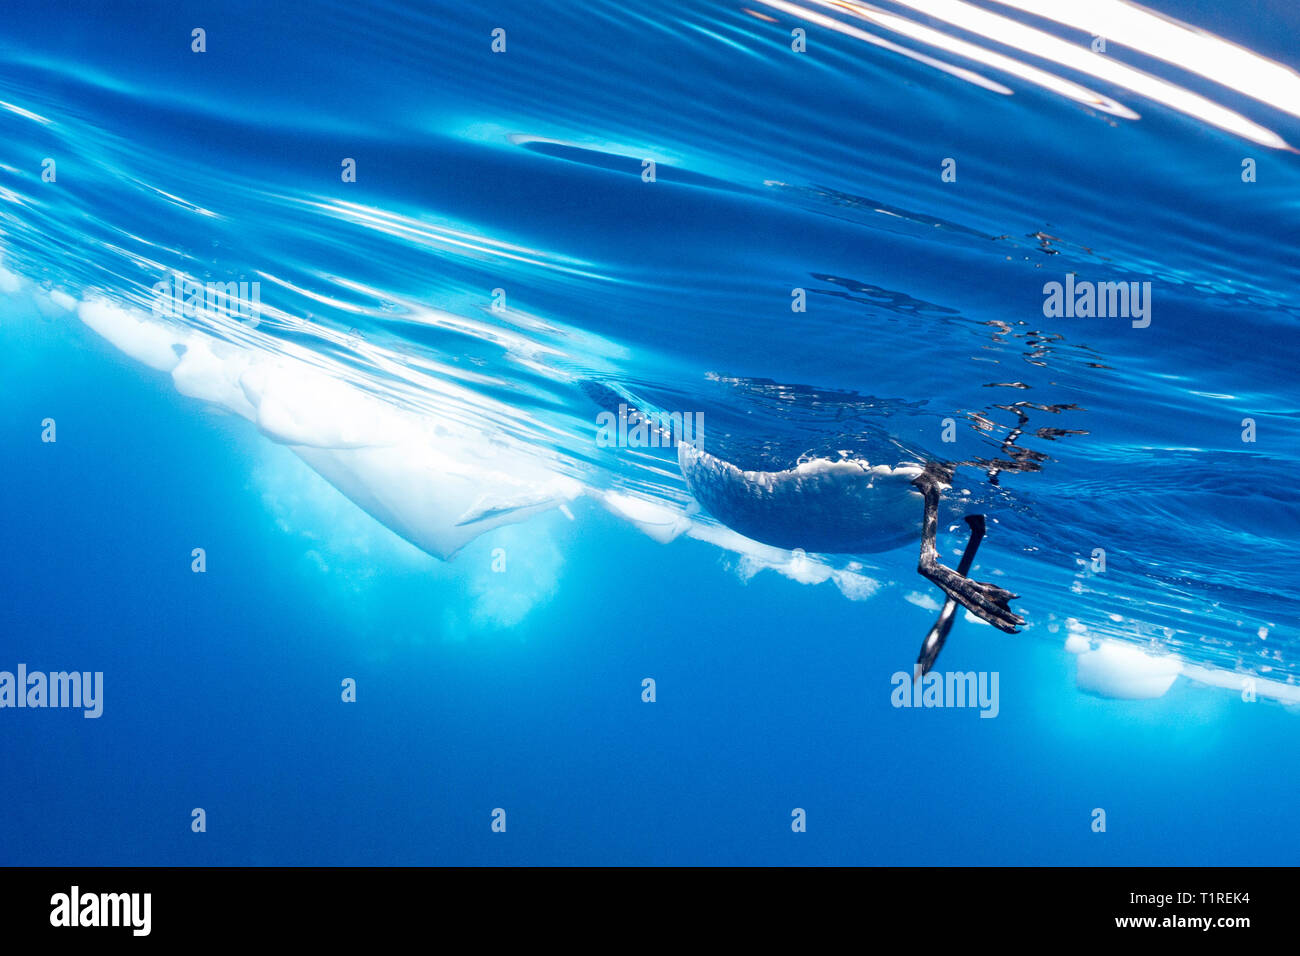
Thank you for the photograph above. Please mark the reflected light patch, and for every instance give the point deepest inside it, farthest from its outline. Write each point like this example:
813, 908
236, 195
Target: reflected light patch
27, 114
1177, 43
832, 24
1038, 43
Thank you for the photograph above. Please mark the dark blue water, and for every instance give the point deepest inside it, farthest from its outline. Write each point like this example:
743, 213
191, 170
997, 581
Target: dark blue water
415, 387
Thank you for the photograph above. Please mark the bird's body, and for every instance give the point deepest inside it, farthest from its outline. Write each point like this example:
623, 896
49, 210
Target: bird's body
837, 505
846, 506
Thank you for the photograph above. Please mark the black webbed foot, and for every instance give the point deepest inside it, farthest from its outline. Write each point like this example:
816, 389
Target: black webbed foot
985, 600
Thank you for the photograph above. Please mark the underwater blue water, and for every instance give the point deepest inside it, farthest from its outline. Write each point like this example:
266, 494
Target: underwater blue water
511, 676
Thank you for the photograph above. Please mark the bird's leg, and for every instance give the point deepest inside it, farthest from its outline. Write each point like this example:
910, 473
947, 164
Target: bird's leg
933, 642
986, 601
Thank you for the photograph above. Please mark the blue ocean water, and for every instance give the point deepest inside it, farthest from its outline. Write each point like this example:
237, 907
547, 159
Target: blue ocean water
808, 248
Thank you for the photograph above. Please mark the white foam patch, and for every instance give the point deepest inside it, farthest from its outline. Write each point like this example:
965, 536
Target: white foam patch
299, 405
437, 483
64, 301
665, 523
1119, 670
661, 522
434, 496
531, 577
924, 601
9, 283
795, 565
1110, 666
1232, 680
502, 577
149, 342
210, 371
855, 586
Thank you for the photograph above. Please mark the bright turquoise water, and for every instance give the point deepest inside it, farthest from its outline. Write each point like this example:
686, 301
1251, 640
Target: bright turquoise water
511, 676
